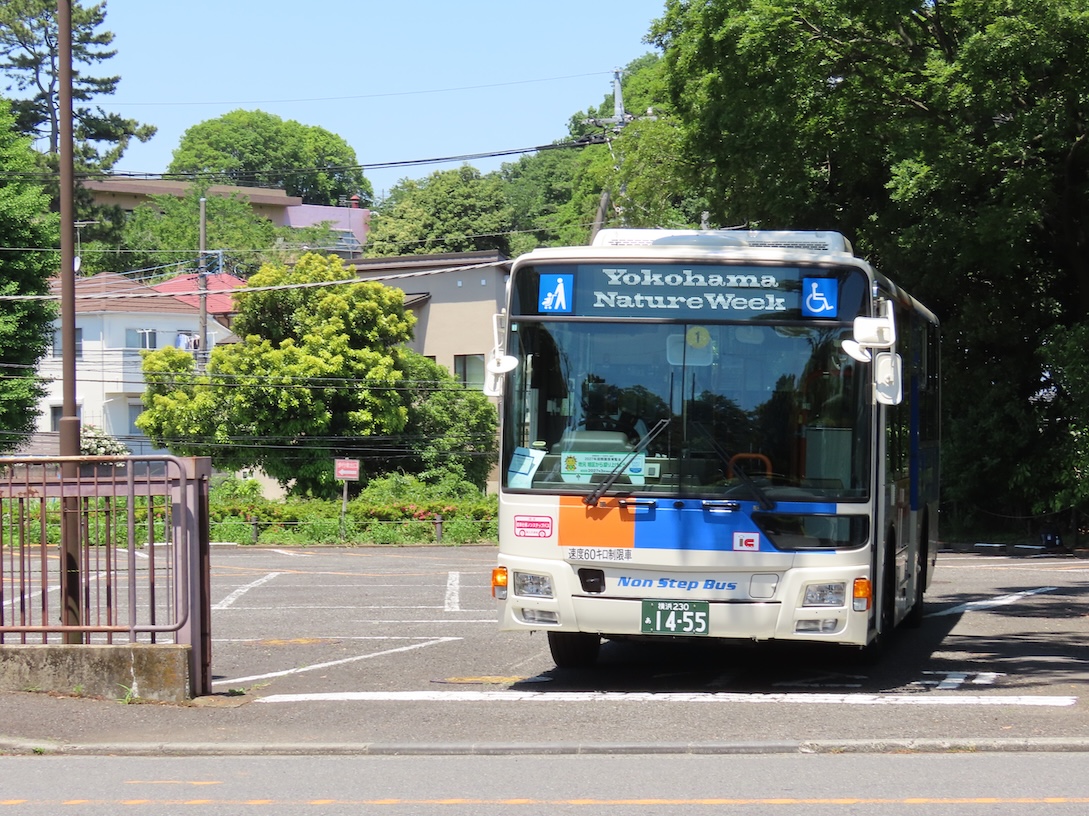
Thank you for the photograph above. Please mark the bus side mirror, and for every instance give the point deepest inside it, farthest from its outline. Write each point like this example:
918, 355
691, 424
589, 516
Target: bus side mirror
499, 363
875, 332
871, 333
888, 378
494, 369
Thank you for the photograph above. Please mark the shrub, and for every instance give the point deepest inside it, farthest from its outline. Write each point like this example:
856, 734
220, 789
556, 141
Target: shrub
392, 510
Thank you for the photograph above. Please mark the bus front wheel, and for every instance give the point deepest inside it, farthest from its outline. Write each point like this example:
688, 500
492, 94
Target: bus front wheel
574, 650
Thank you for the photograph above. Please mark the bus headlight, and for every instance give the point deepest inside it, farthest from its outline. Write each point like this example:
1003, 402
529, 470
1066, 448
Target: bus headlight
825, 594
527, 584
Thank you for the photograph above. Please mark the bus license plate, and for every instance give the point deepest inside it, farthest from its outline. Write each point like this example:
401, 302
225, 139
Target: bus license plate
675, 617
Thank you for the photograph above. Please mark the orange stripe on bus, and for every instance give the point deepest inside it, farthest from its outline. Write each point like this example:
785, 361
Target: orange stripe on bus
607, 525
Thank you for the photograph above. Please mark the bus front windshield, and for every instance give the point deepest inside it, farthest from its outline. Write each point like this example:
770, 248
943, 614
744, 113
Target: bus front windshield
752, 410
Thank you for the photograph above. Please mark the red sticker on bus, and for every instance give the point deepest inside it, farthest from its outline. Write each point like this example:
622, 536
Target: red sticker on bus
533, 526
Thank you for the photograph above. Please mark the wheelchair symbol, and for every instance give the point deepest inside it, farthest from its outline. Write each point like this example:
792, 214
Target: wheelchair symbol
821, 299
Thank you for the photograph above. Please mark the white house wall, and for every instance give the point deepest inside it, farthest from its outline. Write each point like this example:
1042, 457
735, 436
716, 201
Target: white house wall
108, 373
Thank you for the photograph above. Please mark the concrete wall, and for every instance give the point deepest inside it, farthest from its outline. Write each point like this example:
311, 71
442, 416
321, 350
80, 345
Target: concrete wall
157, 672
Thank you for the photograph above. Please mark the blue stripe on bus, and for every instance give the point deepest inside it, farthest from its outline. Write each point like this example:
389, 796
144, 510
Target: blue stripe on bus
695, 527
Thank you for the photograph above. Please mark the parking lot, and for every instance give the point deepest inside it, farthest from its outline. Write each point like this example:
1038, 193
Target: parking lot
398, 647
389, 635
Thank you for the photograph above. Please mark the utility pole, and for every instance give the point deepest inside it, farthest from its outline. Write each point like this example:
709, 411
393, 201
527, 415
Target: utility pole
615, 123
69, 422
202, 285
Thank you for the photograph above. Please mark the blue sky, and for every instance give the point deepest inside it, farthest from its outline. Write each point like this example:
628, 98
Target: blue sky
399, 81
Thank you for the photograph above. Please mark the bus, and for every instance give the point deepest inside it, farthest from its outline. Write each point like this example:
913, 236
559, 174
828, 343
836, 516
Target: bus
713, 434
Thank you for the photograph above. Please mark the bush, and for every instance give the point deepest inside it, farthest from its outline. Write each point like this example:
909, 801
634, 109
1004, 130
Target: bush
391, 510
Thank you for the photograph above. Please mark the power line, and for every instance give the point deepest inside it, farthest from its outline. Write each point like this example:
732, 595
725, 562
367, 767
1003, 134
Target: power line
364, 96
242, 290
255, 174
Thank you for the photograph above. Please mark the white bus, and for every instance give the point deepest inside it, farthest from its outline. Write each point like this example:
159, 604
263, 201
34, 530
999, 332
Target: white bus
720, 434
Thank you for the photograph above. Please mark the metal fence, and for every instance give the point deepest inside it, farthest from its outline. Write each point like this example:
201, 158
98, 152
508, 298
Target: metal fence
108, 549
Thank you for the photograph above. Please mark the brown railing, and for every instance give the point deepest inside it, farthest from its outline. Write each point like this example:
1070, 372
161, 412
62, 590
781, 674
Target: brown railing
102, 550
94, 547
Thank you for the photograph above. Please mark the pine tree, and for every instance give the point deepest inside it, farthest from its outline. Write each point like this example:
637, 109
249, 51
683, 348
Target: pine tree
29, 61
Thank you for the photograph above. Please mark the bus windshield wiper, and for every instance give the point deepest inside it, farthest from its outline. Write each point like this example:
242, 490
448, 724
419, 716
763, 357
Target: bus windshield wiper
593, 498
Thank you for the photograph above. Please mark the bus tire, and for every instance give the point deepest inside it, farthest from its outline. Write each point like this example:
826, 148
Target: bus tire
574, 650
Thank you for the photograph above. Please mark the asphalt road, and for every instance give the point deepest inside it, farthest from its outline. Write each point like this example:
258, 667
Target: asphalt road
996, 784
387, 651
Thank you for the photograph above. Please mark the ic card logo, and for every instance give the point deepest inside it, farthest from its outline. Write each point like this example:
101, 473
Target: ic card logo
747, 542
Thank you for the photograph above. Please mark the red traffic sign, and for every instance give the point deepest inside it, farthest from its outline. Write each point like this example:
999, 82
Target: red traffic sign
346, 469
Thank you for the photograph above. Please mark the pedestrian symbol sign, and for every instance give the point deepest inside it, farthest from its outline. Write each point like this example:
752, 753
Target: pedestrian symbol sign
555, 293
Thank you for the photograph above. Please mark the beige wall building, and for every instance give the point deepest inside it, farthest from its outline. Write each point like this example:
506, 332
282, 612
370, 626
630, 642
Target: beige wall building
454, 297
129, 193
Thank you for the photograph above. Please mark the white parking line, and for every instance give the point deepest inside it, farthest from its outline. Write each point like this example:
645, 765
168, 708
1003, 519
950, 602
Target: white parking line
453, 592
316, 666
667, 697
238, 593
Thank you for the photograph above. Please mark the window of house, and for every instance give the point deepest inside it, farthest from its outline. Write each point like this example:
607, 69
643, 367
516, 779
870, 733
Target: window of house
137, 340
58, 344
135, 409
55, 414
469, 369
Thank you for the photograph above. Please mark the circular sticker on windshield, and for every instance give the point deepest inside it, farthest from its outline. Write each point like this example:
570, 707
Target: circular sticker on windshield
697, 336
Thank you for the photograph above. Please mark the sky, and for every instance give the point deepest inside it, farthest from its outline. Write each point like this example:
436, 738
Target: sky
399, 80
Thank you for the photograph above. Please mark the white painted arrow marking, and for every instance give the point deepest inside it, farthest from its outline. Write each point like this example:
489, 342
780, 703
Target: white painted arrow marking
1001, 600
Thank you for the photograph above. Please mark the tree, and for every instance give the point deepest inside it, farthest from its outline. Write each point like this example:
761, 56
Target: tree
556, 194
537, 188
29, 59
948, 139
321, 373
166, 231
449, 211
26, 230
258, 149
451, 428
316, 370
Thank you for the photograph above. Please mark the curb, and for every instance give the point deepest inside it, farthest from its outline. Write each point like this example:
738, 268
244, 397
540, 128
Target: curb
882, 746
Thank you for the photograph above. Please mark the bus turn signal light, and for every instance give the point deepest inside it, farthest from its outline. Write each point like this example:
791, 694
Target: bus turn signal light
499, 583
863, 595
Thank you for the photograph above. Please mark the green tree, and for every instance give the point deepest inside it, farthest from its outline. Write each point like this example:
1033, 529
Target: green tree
166, 231
26, 229
449, 211
322, 373
557, 195
537, 187
258, 149
29, 60
948, 138
451, 428
316, 371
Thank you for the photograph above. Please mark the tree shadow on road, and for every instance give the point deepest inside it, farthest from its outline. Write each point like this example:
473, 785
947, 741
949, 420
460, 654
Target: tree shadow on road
1042, 654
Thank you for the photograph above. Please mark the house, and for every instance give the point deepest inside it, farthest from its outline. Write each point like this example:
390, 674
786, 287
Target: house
454, 297
348, 221
115, 319
130, 193
218, 302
